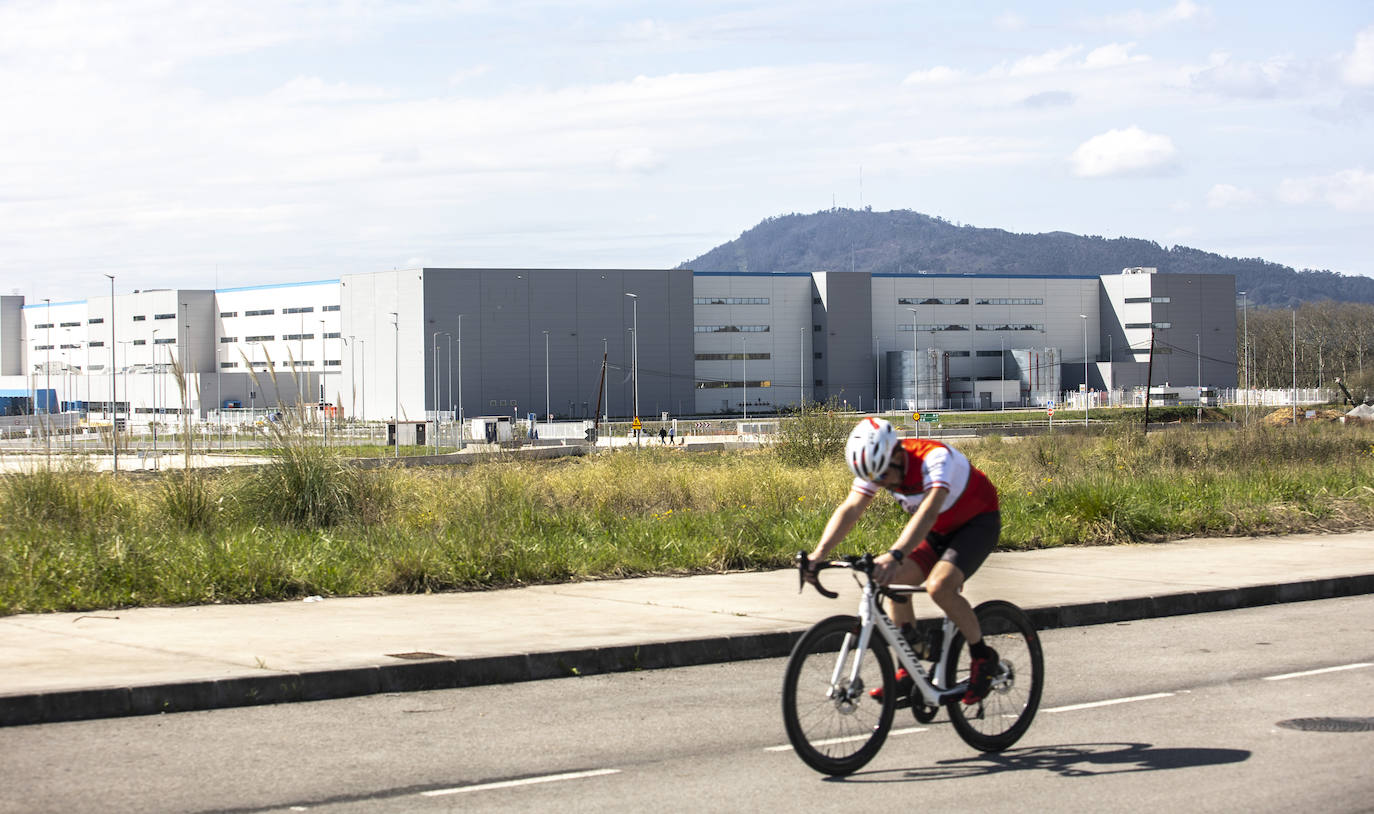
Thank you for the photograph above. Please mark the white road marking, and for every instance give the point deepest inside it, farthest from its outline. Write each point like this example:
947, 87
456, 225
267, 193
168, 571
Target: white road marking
828, 741
1319, 672
528, 781
1109, 702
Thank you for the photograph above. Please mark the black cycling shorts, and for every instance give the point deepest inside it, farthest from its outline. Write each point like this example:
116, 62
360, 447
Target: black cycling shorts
965, 548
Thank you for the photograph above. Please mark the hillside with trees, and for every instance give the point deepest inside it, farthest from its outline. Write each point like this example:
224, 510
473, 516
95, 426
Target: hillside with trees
1316, 343
902, 241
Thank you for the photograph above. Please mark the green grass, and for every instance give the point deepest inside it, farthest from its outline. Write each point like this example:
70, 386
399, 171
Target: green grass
312, 524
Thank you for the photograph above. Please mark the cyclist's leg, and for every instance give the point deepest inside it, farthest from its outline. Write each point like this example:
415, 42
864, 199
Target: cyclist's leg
965, 550
910, 572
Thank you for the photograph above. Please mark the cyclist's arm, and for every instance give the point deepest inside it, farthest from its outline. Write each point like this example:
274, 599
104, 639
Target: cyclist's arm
842, 520
915, 530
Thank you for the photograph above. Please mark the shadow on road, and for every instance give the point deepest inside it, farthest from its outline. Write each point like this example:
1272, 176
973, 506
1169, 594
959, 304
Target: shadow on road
1068, 760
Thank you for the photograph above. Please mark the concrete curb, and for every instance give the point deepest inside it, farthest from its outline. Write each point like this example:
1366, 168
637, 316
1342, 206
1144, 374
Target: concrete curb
446, 673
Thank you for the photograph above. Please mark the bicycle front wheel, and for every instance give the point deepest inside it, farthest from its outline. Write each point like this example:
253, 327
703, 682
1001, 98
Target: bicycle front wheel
834, 725
1000, 719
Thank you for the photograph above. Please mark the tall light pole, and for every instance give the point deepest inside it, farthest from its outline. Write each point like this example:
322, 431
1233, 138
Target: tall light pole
1295, 366
396, 387
1245, 323
634, 367
157, 417
1084, 317
47, 388
324, 391
434, 347
114, 372
363, 376
605, 388
877, 377
460, 374
353, 377
448, 344
915, 365
548, 416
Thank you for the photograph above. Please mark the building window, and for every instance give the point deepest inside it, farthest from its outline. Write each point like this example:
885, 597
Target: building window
729, 300
332, 362
70, 347
227, 314
820, 382
95, 344
227, 340
1009, 301
1133, 300
140, 341
94, 368
137, 318
332, 335
71, 325
932, 301
165, 316
168, 341
731, 357
289, 337
817, 355
1159, 325
307, 309
816, 328
990, 353
42, 347
265, 338
1013, 326
934, 327
1160, 350
714, 385
330, 308
42, 326
956, 353
261, 312
227, 365
95, 320
729, 329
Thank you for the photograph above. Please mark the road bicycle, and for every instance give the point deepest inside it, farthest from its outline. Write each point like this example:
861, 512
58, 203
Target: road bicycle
834, 721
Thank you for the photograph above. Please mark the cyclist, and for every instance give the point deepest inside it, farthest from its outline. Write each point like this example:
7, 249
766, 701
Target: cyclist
954, 525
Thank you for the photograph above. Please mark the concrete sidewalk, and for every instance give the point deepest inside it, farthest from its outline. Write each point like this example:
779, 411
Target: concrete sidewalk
72, 666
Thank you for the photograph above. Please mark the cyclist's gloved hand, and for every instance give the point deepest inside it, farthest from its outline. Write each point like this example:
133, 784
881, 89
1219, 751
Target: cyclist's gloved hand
809, 570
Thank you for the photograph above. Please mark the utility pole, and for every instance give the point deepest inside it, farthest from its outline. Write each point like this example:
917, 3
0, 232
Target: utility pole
114, 372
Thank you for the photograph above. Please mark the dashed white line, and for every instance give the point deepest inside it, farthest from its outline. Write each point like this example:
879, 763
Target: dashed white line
828, 741
1109, 702
528, 781
1318, 672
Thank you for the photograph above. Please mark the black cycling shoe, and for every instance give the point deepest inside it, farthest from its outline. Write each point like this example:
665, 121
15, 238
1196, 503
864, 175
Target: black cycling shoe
905, 684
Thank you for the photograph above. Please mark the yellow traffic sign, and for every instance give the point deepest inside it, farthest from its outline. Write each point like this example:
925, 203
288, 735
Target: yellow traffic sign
636, 425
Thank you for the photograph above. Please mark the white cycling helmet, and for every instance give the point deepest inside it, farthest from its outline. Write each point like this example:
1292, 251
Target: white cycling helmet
869, 448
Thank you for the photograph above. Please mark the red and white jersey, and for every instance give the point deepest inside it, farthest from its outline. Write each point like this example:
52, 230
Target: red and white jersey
930, 464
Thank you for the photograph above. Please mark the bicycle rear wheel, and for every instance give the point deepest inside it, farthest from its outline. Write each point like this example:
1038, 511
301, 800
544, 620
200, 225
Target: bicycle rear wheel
837, 728
1000, 719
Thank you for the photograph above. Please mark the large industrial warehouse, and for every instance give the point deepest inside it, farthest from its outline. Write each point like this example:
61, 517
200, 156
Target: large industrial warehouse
417, 343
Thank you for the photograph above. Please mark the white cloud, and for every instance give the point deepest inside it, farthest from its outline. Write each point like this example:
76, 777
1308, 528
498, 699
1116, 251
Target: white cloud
1110, 56
1346, 190
1359, 65
962, 151
1149, 22
1045, 62
1131, 151
940, 74
1221, 196
1247, 79
638, 159
312, 89
461, 76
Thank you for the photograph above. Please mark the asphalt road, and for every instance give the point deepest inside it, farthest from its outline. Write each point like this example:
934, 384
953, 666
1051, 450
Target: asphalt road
1175, 714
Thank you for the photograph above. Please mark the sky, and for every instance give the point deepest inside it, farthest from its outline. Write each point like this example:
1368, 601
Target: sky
176, 143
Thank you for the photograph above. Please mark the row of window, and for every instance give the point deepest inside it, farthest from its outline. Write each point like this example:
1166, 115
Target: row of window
267, 312
1006, 326
729, 300
722, 385
976, 301
1160, 325
933, 301
732, 357
264, 365
729, 329
1132, 300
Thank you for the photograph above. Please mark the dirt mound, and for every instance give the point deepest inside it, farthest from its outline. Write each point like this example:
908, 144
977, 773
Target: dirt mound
1283, 416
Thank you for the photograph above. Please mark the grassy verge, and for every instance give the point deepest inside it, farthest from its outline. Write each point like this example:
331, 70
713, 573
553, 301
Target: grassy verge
311, 524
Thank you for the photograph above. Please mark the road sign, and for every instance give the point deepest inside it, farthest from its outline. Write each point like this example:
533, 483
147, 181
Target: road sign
915, 416
636, 425
1050, 410
928, 417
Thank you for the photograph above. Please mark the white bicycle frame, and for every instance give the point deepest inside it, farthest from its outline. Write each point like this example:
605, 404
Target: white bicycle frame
871, 616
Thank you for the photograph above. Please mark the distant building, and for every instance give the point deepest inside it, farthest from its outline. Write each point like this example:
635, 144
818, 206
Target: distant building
485, 341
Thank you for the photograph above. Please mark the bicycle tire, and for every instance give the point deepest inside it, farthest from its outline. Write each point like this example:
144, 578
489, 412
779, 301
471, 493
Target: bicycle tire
1000, 719
836, 735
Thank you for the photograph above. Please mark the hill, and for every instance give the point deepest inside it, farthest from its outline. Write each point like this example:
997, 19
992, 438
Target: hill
902, 241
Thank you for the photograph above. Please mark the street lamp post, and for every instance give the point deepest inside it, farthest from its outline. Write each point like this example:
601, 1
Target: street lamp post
114, 371
47, 388
396, 387
434, 347
460, 374
915, 365
744, 355
157, 417
548, 416
605, 387
1084, 317
324, 391
877, 376
1245, 322
634, 366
